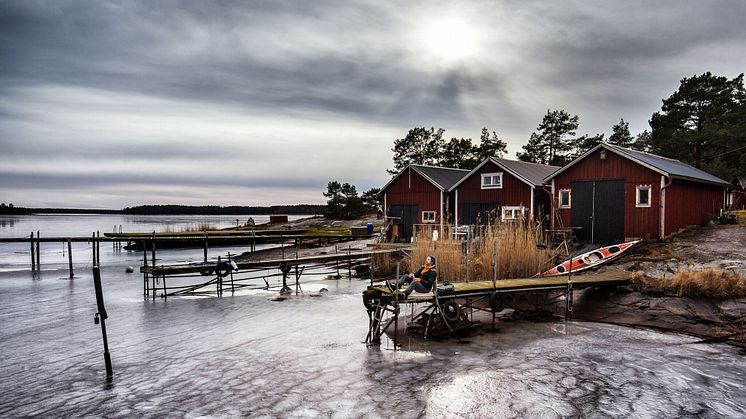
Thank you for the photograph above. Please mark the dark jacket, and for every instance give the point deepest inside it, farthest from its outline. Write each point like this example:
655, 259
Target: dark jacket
428, 278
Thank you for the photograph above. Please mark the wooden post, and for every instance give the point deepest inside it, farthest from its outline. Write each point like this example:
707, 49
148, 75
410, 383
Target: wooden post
98, 248
70, 257
33, 254
468, 252
101, 317
219, 282
233, 289
38, 251
145, 275
349, 263
282, 246
205, 246
152, 260
93, 249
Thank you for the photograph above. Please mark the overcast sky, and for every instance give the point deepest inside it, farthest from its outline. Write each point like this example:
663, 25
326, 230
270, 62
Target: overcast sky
113, 104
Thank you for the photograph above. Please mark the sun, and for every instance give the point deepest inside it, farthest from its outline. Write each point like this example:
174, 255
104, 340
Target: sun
449, 40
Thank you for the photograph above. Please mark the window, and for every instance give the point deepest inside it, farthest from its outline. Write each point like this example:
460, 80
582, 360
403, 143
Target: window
492, 180
428, 216
643, 196
564, 198
512, 213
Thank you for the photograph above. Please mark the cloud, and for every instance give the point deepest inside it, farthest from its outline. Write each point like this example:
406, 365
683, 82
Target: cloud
250, 93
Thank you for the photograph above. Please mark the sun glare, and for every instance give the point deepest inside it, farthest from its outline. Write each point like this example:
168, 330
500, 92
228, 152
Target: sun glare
449, 40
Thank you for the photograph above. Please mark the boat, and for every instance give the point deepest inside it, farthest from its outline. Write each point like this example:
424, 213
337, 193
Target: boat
591, 259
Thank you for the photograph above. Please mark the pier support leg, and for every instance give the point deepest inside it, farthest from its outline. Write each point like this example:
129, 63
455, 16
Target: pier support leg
33, 254
285, 269
70, 258
38, 251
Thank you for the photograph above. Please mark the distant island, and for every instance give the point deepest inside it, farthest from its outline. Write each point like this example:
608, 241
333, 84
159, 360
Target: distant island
299, 209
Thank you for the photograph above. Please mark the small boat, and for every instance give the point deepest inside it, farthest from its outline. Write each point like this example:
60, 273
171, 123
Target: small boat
591, 259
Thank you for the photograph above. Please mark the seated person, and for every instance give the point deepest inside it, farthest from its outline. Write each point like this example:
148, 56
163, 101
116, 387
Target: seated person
421, 280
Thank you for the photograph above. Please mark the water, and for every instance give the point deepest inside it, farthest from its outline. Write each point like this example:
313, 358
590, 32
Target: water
245, 355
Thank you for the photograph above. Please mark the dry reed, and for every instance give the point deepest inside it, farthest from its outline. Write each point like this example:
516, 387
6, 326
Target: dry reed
515, 244
713, 283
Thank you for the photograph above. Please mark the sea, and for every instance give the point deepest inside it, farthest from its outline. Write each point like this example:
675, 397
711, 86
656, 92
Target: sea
246, 354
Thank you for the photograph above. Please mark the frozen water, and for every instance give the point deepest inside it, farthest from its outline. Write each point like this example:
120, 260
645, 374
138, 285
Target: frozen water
244, 355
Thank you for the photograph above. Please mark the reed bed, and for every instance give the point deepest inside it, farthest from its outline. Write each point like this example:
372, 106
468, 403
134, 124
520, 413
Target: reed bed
706, 283
516, 247
714, 283
191, 228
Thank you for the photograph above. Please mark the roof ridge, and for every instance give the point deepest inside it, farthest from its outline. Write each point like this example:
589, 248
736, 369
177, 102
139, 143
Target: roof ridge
525, 162
649, 154
437, 167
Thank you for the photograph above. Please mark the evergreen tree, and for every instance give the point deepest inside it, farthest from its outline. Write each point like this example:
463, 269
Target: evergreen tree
703, 123
620, 134
642, 141
458, 153
420, 146
587, 142
490, 146
553, 142
372, 199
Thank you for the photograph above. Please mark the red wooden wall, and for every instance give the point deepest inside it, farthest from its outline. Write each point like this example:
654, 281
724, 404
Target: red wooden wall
638, 222
687, 203
513, 192
411, 188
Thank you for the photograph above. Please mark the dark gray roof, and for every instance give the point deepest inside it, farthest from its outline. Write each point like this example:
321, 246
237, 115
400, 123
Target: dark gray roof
662, 165
442, 177
532, 172
671, 167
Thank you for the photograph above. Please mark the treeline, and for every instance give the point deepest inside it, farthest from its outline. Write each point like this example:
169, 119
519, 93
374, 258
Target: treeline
703, 123
10, 209
300, 209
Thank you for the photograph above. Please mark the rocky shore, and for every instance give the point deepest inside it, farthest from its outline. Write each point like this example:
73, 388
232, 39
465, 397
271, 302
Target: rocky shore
712, 319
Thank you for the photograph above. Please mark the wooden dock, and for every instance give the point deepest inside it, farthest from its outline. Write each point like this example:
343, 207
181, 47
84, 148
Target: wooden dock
221, 274
448, 305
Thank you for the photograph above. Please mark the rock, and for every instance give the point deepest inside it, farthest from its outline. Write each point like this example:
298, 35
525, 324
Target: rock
129, 269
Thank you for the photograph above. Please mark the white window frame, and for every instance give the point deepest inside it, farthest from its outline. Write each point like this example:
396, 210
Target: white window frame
569, 198
430, 218
491, 185
516, 213
639, 188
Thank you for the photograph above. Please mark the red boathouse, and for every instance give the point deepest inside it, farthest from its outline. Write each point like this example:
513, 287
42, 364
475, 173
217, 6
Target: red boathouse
419, 195
612, 194
513, 189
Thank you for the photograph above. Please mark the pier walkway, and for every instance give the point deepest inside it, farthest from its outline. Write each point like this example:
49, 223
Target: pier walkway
450, 306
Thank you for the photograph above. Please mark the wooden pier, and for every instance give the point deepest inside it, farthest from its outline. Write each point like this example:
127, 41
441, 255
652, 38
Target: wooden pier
448, 305
217, 276
150, 242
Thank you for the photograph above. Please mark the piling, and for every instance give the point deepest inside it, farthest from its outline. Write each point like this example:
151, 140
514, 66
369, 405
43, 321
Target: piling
93, 248
33, 254
205, 246
101, 316
145, 276
98, 248
38, 251
70, 257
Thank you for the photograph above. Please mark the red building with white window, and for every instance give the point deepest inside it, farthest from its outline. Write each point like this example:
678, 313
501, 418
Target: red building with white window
611, 194
419, 195
509, 189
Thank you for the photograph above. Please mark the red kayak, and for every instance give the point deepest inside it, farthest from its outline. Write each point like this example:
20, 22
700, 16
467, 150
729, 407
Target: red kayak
591, 259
